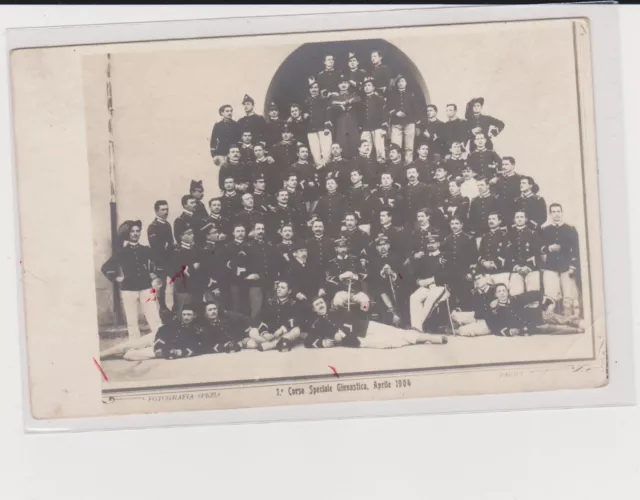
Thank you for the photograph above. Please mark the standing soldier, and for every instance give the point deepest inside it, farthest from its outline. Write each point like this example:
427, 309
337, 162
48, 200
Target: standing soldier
432, 131
189, 273
339, 168
455, 129
331, 208
398, 238
366, 164
231, 199
438, 196
357, 239
425, 166
531, 203
381, 73
328, 79
319, 246
318, 119
236, 169
461, 255
247, 155
386, 267
186, 219
305, 174
386, 197
285, 154
456, 160
507, 188
345, 278
285, 213
356, 75
480, 208
484, 162
253, 122
404, 108
358, 199
238, 264
525, 248
284, 249
264, 262
132, 267
374, 119
212, 248
415, 196
494, 254
456, 205
296, 200
222, 222
225, 133
273, 129
249, 216
344, 108
297, 125
266, 168
161, 242
478, 122
197, 191
395, 166
560, 254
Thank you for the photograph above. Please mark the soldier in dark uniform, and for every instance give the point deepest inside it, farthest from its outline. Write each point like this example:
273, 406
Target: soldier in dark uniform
475, 322
306, 175
356, 75
212, 249
265, 263
284, 213
231, 199
247, 155
415, 195
456, 205
331, 208
367, 165
345, 277
273, 128
339, 168
186, 219
461, 255
197, 191
386, 266
455, 161
223, 223
507, 188
386, 197
181, 338
455, 129
373, 119
484, 162
358, 199
161, 242
266, 168
248, 216
344, 113
531, 203
478, 122
284, 249
239, 270
357, 239
424, 164
305, 278
296, 199
431, 277
381, 73
285, 154
319, 246
318, 119
189, 273
260, 197
225, 331
395, 166
438, 197
525, 248
495, 254
404, 110
297, 124
432, 131
328, 79
480, 208
225, 133
421, 233
253, 122
236, 169
396, 235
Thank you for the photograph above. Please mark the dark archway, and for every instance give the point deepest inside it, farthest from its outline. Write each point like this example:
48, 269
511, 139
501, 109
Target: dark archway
290, 82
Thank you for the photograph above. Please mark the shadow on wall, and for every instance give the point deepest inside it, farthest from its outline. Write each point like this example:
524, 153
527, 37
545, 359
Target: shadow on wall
290, 82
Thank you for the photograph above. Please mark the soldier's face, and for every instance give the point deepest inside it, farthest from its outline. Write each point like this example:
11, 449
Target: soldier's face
258, 230
412, 174
239, 233
467, 173
520, 219
506, 166
431, 112
432, 246
227, 112
493, 221
336, 150
368, 87
246, 138
229, 184
234, 154
317, 228
287, 233
356, 177
480, 281
247, 201
480, 141
314, 89
292, 182
198, 194
365, 148
283, 197
482, 187
282, 290
163, 211
451, 112
456, 148
456, 225
394, 154
386, 180
303, 153
295, 112
350, 222
301, 254
320, 307
344, 85
211, 311
191, 204
216, 206
422, 218
402, 84
259, 185
454, 189
383, 249
248, 107
331, 185
423, 151
385, 218
329, 62
477, 108
187, 316
287, 136
440, 174
187, 237
502, 294
353, 63
375, 58
273, 114
258, 151
213, 232
341, 249
134, 234
556, 214
524, 185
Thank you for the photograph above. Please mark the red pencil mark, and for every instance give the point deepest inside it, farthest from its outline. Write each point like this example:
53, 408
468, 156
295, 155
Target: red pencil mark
104, 375
335, 372
400, 275
178, 274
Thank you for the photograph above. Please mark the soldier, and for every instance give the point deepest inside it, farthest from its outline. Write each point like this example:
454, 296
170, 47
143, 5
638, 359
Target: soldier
386, 197
331, 208
396, 235
225, 331
236, 169
223, 223
373, 119
296, 200
284, 249
356, 75
189, 273
161, 242
531, 203
247, 155
239, 270
179, 339
319, 124
366, 164
328, 79
461, 255
339, 168
358, 199
225, 133
421, 233
507, 188
197, 191
469, 185
484, 162
306, 177
560, 255
319, 246
285, 154
456, 205
525, 247
475, 322
386, 266
404, 109
305, 278
344, 110
425, 166
284, 213
455, 129
431, 277
478, 122
260, 196
357, 239
297, 125
231, 199
494, 254
273, 128
480, 208
212, 247
265, 167
415, 195
265, 262
439, 196
455, 161
253, 122
186, 219
395, 165
133, 268
345, 277
432, 131
248, 216
381, 73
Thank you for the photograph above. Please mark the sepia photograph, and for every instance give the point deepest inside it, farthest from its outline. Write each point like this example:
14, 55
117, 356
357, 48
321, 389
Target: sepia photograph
342, 216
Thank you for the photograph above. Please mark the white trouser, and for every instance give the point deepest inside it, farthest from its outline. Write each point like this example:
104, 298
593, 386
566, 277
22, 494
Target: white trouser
375, 138
168, 293
381, 336
404, 136
468, 326
320, 146
341, 299
529, 283
559, 286
500, 278
422, 302
149, 303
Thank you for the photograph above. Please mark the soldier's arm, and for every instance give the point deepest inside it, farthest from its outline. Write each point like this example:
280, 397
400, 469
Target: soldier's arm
110, 267
214, 140
499, 124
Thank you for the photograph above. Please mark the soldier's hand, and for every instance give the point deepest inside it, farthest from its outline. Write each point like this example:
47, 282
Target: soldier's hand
469, 277
516, 269
400, 114
514, 331
119, 279
525, 270
486, 264
554, 248
328, 343
305, 115
321, 292
345, 275
340, 336
493, 304
396, 320
418, 255
222, 237
196, 265
327, 131
426, 134
216, 292
253, 277
157, 283
301, 296
311, 184
270, 159
493, 181
268, 336
572, 272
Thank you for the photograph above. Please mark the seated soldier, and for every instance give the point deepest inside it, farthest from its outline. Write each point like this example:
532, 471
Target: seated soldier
225, 331
278, 326
475, 323
337, 328
305, 278
345, 277
384, 280
528, 313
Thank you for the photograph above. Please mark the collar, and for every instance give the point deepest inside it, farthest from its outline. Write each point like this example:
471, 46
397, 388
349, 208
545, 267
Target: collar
557, 225
186, 212
321, 237
160, 219
425, 228
364, 156
332, 193
280, 301
281, 205
261, 160
432, 119
303, 162
509, 174
234, 163
387, 226
185, 246
521, 228
301, 263
256, 192
246, 146
215, 216
481, 150
485, 289
402, 91
328, 70
397, 162
237, 242
287, 242
130, 244
414, 183
249, 210
337, 158
453, 119
527, 195
457, 234
455, 157
434, 254
251, 114
485, 195
358, 185
495, 229
346, 256
228, 194
369, 95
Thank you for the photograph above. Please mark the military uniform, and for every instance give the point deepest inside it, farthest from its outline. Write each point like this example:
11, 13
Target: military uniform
221, 222
398, 239
455, 130
420, 236
436, 139
273, 132
231, 203
507, 189
283, 316
285, 155
534, 206
558, 283
238, 265
479, 211
261, 201
382, 78
270, 172
340, 287
225, 133
296, 201
184, 221
227, 333
248, 218
357, 242
299, 129
320, 252
387, 285
344, 112
456, 206
177, 340
369, 169
330, 210
495, 248
385, 199
340, 170
426, 169
161, 242
403, 129
397, 169
328, 80
190, 279
484, 163
483, 122
415, 197
461, 253
306, 279
247, 156
256, 125
454, 166
423, 301
358, 199
438, 197
476, 322
307, 181
373, 120
518, 313
284, 252
356, 78
524, 248
283, 215
241, 173
318, 120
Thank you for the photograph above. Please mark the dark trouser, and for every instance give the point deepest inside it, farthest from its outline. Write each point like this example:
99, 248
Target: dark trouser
247, 299
181, 299
460, 292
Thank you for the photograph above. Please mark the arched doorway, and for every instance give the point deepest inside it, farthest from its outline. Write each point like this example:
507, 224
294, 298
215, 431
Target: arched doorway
290, 82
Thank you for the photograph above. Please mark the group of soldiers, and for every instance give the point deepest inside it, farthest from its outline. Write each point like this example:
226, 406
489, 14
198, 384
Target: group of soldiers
329, 232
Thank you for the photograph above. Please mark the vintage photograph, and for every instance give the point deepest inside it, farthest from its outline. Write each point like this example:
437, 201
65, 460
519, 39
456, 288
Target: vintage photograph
344, 208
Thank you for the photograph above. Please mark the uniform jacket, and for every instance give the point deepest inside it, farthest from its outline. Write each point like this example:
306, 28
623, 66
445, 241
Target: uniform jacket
247, 156
480, 303
437, 139
419, 238
135, 263
534, 206
337, 266
455, 130
356, 78
494, 247
285, 155
507, 189
306, 279
567, 237
256, 124
231, 203
339, 169
432, 266
358, 242
328, 81
369, 169
386, 199
241, 172
456, 206
358, 199
276, 314
175, 335
484, 163
331, 209
248, 218
523, 312
379, 282
225, 133
189, 270
320, 251
272, 132
186, 220
265, 262
326, 327
483, 122
222, 223
479, 211
319, 117
381, 78
461, 252
524, 248
397, 170
299, 129
414, 197
454, 166
238, 262
224, 334
161, 241
307, 181
405, 101
373, 112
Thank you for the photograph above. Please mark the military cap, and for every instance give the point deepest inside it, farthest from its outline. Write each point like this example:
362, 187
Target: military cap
248, 99
396, 147
340, 242
352, 55
312, 81
284, 128
299, 244
382, 239
368, 79
479, 100
400, 75
196, 185
343, 78
433, 238
273, 105
258, 177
